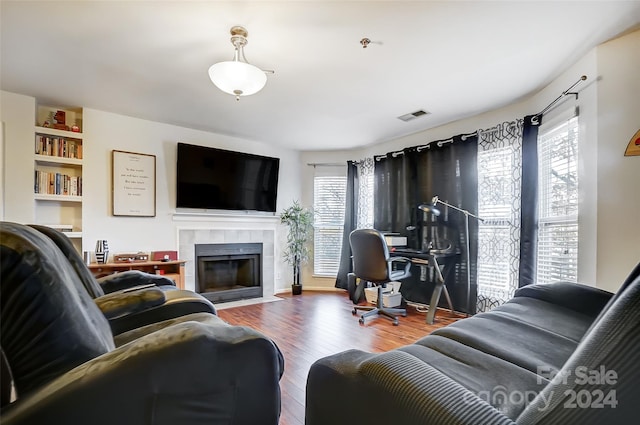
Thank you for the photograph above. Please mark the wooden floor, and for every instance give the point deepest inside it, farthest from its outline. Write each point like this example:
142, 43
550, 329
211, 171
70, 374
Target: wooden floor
317, 324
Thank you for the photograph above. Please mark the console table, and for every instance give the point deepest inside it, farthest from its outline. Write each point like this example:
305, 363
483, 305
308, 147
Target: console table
171, 269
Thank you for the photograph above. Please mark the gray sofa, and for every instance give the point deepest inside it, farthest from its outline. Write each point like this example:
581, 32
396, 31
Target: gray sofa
554, 354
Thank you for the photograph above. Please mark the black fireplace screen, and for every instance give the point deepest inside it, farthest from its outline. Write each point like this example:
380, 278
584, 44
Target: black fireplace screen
222, 274
227, 272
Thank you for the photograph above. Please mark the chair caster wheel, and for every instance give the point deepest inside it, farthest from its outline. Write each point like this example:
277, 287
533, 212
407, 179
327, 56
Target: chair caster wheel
361, 320
354, 311
404, 314
395, 323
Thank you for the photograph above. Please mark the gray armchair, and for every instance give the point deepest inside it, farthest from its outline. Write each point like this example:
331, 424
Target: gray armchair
67, 368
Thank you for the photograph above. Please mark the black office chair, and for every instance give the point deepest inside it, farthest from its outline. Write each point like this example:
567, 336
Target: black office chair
372, 263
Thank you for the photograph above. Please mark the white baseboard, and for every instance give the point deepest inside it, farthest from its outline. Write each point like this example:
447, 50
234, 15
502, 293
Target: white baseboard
310, 288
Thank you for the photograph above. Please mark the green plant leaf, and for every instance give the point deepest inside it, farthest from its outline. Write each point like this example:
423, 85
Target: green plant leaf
299, 221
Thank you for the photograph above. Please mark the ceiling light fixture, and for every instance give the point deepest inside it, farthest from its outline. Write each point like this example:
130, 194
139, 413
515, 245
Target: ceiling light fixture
238, 77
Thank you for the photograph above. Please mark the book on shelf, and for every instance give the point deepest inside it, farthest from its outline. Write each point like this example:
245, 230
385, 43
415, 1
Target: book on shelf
49, 183
58, 146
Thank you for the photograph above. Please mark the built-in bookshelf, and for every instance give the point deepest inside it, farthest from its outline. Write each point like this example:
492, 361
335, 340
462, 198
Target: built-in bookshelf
58, 166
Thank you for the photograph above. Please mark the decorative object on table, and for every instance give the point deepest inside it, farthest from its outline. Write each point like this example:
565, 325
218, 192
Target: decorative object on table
238, 77
102, 251
59, 119
134, 184
164, 255
49, 121
633, 148
299, 220
131, 258
431, 208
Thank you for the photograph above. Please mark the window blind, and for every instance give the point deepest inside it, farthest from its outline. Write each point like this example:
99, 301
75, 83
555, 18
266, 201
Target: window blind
329, 197
558, 202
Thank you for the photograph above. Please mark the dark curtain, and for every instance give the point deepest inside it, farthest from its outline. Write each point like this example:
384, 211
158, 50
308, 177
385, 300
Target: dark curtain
449, 171
350, 223
529, 201
394, 181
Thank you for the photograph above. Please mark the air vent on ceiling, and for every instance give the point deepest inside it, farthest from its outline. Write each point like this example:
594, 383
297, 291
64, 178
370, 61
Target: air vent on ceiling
412, 115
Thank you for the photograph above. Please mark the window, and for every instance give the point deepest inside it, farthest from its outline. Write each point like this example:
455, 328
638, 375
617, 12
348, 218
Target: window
329, 197
558, 202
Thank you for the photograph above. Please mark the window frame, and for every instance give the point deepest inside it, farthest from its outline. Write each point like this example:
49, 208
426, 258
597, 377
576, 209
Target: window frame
569, 221
337, 175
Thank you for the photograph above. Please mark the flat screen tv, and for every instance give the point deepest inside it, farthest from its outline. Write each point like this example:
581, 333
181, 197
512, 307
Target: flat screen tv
211, 178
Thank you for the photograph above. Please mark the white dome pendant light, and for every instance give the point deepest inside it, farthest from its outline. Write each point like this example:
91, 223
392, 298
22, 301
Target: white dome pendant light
238, 77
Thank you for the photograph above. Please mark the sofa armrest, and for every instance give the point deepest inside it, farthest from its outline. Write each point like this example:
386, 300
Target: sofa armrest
574, 296
189, 373
130, 278
393, 387
128, 302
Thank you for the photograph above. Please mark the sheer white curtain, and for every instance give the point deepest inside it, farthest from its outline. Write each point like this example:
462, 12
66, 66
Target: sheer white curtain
365, 193
499, 185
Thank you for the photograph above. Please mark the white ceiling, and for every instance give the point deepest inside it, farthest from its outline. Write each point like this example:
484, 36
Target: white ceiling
149, 59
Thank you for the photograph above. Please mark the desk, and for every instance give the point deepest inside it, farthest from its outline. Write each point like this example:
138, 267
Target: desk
442, 263
172, 269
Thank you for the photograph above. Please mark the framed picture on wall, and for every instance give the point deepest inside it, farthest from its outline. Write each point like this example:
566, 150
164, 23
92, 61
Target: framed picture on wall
133, 184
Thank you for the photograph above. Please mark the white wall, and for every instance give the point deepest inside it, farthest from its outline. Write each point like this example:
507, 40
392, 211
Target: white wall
609, 111
618, 176
104, 132
18, 115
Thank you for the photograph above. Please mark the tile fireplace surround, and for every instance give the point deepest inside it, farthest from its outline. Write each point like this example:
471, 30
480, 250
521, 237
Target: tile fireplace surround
218, 229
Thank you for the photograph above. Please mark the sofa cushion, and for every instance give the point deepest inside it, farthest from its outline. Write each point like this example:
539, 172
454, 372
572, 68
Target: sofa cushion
547, 316
505, 386
574, 296
514, 341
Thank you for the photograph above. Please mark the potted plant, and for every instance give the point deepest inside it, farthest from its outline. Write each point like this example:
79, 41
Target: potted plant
299, 220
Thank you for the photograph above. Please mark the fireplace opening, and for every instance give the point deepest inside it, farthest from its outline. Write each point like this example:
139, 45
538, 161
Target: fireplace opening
229, 272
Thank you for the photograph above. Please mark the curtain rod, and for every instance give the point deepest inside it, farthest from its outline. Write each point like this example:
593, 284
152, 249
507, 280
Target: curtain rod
393, 154
441, 143
564, 93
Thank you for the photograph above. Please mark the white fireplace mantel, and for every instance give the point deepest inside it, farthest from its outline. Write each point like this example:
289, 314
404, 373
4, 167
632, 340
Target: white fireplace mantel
219, 228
